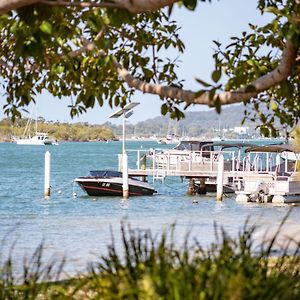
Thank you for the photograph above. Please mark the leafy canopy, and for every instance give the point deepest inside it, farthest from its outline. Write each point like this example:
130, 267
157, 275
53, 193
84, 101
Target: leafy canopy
39, 52
74, 51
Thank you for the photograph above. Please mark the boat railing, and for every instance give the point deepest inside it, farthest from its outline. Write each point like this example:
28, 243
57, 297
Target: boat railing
161, 163
266, 162
184, 161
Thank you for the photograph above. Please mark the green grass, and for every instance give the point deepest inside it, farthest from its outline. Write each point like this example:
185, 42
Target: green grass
155, 267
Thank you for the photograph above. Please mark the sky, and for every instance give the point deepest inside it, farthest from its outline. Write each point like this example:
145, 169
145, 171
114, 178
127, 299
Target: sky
218, 20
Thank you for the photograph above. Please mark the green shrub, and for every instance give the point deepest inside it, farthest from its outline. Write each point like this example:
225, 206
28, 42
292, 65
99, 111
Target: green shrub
154, 267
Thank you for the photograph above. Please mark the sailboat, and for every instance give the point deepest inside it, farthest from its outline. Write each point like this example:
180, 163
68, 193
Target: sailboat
40, 138
171, 138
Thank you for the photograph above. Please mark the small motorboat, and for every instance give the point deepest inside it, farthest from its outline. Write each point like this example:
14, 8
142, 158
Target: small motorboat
110, 183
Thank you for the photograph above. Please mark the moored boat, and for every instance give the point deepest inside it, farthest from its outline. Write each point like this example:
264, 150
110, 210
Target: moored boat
272, 175
40, 138
110, 183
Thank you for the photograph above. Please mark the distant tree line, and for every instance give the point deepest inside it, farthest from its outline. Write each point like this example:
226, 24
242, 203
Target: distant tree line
59, 131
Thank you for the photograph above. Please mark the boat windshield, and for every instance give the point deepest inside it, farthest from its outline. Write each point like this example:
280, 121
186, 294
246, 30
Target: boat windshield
105, 173
194, 146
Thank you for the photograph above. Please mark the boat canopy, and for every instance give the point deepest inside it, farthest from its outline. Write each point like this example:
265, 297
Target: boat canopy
105, 173
224, 145
272, 148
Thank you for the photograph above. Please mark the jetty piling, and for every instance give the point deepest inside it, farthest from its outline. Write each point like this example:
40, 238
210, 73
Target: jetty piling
220, 177
47, 187
125, 176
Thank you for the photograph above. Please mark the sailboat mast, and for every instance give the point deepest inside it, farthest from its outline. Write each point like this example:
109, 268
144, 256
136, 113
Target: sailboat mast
36, 118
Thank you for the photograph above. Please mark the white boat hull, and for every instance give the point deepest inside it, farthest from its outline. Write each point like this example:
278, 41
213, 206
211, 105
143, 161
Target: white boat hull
270, 188
37, 140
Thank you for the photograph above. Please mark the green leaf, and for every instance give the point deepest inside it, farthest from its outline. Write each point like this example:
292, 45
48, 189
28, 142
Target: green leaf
203, 82
164, 109
274, 105
271, 9
251, 62
217, 43
216, 75
46, 27
170, 9
60, 69
190, 4
218, 105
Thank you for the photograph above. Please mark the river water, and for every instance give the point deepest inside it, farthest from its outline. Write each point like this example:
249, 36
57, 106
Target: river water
80, 228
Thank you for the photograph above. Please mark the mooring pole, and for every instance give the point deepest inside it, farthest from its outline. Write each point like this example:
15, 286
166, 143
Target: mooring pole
125, 176
47, 174
220, 177
124, 163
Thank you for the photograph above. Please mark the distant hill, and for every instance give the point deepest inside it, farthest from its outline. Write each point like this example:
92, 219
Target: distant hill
195, 123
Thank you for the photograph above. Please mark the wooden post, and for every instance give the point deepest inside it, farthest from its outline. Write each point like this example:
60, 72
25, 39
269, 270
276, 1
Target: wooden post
47, 174
220, 177
125, 176
191, 189
202, 186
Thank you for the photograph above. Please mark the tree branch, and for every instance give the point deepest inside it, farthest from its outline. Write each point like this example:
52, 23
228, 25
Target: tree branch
279, 74
9, 5
80, 4
88, 46
134, 6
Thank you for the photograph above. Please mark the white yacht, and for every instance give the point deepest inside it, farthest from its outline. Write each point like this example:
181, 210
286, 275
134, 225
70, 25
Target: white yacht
40, 138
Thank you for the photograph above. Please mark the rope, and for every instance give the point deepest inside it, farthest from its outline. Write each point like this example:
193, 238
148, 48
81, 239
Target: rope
63, 187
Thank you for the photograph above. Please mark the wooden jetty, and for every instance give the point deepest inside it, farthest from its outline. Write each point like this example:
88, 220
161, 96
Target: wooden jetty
200, 168
262, 174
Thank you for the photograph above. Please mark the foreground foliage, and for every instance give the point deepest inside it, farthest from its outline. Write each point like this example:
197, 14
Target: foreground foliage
152, 267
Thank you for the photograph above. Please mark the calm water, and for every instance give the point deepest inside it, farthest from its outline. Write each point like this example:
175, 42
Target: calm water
79, 228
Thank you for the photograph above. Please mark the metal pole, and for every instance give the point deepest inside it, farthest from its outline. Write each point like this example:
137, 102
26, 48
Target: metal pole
125, 164
123, 139
220, 177
47, 174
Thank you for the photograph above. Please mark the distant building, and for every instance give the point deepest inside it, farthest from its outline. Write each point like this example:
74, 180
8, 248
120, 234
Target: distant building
240, 130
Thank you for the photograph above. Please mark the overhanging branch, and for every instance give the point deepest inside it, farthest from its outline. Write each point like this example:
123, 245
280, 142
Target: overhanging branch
134, 6
279, 74
9, 5
282, 71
